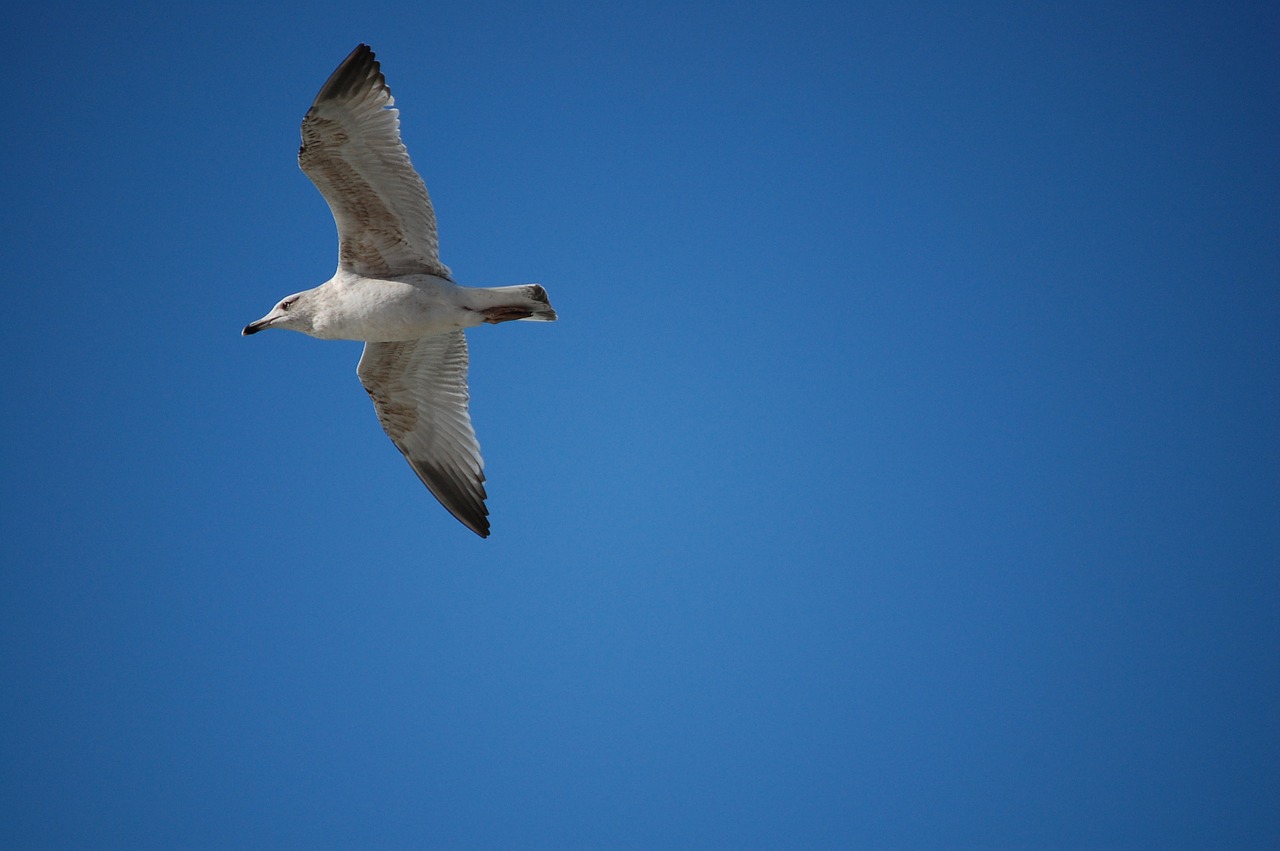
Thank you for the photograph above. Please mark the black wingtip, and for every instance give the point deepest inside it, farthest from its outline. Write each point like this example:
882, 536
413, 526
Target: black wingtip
463, 498
359, 66
476, 523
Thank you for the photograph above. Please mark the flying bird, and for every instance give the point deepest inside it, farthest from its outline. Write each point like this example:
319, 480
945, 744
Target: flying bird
392, 292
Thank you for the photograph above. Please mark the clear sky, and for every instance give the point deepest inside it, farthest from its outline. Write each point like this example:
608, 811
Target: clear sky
903, 471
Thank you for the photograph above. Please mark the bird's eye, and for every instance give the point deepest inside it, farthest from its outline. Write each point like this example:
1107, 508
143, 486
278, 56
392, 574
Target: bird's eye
284, 305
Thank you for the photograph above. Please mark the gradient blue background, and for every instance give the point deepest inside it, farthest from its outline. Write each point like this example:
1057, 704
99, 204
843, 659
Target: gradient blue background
904, 471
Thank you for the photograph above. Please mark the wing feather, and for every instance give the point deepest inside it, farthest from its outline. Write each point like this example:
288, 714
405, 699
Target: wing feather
351, 150
419, 390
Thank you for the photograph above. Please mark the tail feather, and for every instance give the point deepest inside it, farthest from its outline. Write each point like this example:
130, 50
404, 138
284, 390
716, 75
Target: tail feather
523, 301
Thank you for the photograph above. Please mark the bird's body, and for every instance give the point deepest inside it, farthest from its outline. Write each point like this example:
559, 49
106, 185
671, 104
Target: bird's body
405, 307
391, 290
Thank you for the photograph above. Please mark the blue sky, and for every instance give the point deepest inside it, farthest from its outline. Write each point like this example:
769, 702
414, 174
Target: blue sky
903, 472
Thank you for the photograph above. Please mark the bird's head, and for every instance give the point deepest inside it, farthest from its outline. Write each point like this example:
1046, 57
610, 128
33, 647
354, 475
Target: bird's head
295, 312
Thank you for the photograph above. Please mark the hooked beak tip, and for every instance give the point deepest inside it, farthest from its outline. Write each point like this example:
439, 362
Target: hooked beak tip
251, 328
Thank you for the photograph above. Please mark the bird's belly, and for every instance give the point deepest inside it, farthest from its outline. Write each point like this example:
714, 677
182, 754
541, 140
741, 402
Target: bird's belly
379, 311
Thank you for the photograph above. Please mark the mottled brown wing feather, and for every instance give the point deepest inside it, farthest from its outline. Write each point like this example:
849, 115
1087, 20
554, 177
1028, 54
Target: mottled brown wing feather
419, 390
352, 152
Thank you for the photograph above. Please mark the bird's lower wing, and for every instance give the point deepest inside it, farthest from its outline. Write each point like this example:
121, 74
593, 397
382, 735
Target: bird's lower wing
419, 389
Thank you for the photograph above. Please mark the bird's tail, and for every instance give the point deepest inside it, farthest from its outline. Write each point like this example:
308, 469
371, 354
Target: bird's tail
524, 301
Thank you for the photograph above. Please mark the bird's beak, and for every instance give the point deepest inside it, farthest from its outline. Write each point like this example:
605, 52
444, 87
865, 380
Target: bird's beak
255, 327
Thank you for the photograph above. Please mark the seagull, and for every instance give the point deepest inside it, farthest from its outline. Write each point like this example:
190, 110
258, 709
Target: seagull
391, 291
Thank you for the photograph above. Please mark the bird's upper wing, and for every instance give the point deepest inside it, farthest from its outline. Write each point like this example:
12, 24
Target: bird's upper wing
352, 152
419, 389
